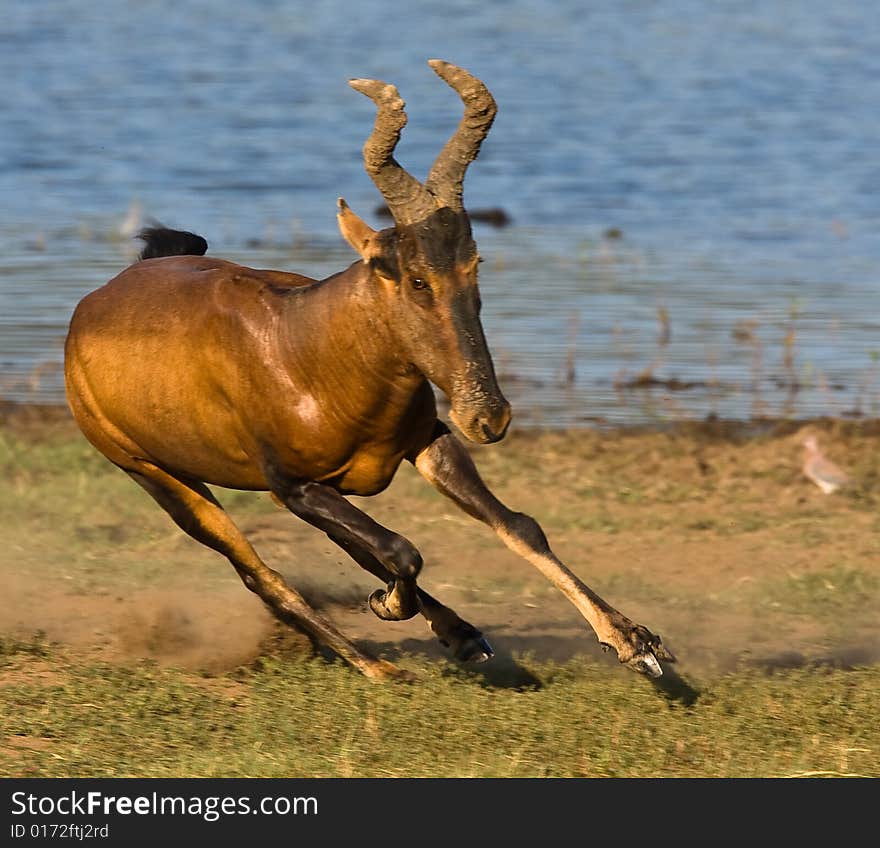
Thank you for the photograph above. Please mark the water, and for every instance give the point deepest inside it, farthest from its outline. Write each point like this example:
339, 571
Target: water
733, 145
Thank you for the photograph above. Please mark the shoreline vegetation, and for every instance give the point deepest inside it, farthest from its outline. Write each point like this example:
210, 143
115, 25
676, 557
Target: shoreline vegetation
116, 626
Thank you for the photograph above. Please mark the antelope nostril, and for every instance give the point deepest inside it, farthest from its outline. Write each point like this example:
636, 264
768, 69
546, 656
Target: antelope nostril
495, 435
486, 425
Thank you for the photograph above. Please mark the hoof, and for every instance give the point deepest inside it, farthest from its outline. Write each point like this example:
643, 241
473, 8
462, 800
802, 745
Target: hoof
645, 652
474, 650
468, 645
646, 664
379, 606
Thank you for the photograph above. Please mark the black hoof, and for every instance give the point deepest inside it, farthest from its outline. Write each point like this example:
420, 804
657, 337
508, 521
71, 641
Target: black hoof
474, 650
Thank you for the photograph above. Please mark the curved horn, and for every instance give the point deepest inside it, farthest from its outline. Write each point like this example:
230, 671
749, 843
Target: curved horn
408, 200
447, 174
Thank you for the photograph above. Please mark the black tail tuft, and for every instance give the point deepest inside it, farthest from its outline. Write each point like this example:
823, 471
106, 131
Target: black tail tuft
160, 241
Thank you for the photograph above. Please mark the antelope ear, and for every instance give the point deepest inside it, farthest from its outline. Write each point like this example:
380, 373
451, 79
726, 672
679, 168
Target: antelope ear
361, 236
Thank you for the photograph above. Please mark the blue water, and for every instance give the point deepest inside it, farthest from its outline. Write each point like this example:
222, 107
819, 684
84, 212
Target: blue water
734, 146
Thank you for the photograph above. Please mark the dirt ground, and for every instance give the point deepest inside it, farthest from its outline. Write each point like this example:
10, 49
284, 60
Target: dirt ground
708, 534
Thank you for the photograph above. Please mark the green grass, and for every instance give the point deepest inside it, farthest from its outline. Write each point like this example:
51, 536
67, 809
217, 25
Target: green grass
63, 717
838, 592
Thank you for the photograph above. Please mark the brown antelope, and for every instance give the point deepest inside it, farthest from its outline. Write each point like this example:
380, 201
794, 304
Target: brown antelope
186, 370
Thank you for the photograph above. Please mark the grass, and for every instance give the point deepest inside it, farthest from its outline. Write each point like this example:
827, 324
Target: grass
314, 719
717, 538
839, 592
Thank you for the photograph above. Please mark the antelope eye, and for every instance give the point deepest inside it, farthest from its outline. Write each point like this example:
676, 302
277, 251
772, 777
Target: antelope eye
418, 283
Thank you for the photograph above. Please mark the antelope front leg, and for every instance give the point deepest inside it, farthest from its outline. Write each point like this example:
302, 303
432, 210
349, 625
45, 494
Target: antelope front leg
448, 466
354, 530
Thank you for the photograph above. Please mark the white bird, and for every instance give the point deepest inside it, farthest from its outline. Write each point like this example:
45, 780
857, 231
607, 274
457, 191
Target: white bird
821, 470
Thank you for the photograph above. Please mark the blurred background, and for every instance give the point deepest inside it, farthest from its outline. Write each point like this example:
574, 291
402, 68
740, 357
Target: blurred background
692, 190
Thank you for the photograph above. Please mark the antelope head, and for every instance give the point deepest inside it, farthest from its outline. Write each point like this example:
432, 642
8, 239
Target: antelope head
425, 266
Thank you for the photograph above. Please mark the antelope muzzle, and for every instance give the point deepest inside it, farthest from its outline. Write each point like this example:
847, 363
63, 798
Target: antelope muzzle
482, 415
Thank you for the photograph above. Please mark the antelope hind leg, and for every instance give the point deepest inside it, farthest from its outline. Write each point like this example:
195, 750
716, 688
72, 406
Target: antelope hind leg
196, 511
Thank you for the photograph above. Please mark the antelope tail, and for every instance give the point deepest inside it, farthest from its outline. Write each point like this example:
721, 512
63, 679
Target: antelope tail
160, 241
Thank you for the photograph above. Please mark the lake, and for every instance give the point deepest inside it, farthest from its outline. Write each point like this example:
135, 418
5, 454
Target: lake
694, 189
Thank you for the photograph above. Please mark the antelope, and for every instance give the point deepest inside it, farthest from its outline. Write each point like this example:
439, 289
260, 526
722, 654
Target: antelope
185, 370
